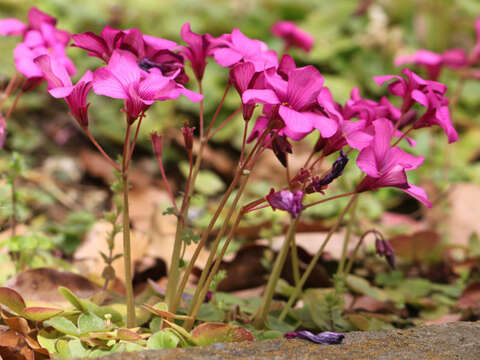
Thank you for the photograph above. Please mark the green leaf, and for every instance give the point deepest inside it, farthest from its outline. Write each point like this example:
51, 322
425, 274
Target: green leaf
72, 298
362, 286
90, 323
162, 340
63, 325
11, 299
48, 339
156, 324
37, 313
77, 350
209, 312
274, 324
207, 182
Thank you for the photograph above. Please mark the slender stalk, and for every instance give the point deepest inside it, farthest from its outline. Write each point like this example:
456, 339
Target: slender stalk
206, 233
100, 149
174, 274
14, 105
346, 241
172, 307
202, 111
127, 258
219, 107
14, 208
134, 142
224, 122
355, 251
295, 262
9, 89
404, 135
262, 312
313, 262
203, 282
328, 199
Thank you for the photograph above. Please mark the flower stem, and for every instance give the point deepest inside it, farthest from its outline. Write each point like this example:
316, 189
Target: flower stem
295, 262
100, 149
351, 220
328, 199
262, 312
313, 262
204, 281
127, 258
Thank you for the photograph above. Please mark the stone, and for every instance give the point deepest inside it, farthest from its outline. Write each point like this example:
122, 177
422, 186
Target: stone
459, 340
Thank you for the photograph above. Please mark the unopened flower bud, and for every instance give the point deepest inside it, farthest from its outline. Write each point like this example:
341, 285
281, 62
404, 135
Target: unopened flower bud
188, 136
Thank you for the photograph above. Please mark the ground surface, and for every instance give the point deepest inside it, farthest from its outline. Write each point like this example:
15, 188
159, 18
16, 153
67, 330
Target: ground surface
443, 342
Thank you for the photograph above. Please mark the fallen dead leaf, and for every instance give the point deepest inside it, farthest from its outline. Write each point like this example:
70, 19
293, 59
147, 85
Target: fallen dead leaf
462, 219
13, 346
470, 297
417, 246
88, 260
445, 319
40, 285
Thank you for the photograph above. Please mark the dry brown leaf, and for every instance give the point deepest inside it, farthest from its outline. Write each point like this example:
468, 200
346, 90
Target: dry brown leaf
40, 285
462, 219
88, 260
470, 297
13, 346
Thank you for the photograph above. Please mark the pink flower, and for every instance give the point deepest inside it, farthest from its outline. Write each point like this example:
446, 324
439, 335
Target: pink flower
294, 101
229, 50
292, 35
3, 131
427, 93
150, 52
196, 51
9, 27
434, 62
124, 79
244, 77
386, 166
286, 200
60, 86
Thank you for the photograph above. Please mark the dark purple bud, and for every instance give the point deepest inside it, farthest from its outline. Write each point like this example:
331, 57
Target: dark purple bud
188, 136
326, 337
208, 296
286, 200
335, 172
281, 147
384, 248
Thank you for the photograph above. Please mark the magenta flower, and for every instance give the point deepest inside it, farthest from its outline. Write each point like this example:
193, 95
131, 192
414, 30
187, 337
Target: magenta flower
286, 200
386, 166
196, 51
427, 93
326, 337
60, 86
149, 51
11, 27
292, 35
294, 101
229, 50
244, 77
3, 131
124, 79
434, 62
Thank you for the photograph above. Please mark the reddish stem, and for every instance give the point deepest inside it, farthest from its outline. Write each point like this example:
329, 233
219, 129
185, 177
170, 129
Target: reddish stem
99, 148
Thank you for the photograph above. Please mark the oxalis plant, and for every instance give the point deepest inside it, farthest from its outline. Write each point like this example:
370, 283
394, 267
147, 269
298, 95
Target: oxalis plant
293, 102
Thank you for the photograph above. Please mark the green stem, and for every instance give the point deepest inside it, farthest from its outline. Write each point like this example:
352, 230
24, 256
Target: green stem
14, 208
127, 258
262, 312
346, 241
203, 282
206, 233
295, 262
313, 262
174, 274
355, 252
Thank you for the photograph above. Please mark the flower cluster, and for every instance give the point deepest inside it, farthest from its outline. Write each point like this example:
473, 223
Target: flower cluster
455, 59
39, 37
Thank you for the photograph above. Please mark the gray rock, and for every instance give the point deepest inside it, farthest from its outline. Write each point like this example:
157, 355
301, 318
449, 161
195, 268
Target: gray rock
459, 340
